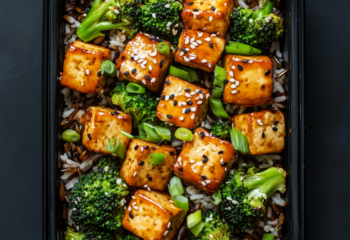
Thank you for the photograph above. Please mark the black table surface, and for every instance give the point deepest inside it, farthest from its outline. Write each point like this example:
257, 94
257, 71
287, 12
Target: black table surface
327, 119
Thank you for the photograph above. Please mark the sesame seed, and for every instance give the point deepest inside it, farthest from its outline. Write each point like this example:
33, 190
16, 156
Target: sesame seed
144, 82
203, 183
169, 224
129, 209
136, 147
141, 163
192, 117
169, 116
141, 149
205, 160
231, 74
148, 77
208, 39
150, 67
224, 164
188, 95
250, 61
155, 61
187, 90
244, 61
193, 109
184, 110
201, 96
195, 10
213, 35
87, 71
192, 161
240, 67
179, 89
211, 18
175, 102
226, 81
267, 72
221, 152
171, 96
153, 80
234, 92
195, 44
259, 122
212, 8
163, 97
211, 45
134, 174
207, 181
130, 214
181, 54
126, 73
186, 59
274, 128
180, 169
233, 86
166, 232
148, 189
161, 63
192, 57
166, 98
181, 118
99, 73
172, 153
199, 102
190, 3
136, 207
193, 93
150, 178
204, 61
89, 136
143, 66
192, 40
201, 134
167, 82
189, 102
187, 110
204, 177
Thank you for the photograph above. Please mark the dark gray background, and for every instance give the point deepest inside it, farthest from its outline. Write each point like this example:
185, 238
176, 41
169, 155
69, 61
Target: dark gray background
327, 119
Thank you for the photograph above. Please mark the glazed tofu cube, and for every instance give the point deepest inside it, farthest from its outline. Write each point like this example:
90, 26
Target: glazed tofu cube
138, 172
250, 80
182, 103
204, 161
264, 130
141, 63
152, 216
82, 65
199, 50
208, 16
101, 124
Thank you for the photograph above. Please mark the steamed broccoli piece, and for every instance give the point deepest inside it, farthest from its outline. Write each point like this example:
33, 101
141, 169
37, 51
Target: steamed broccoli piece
244, 197
160, 18
221, 130
95, 201
258, 29
141, 106
72, 235
130, 236
214, 228
107, 15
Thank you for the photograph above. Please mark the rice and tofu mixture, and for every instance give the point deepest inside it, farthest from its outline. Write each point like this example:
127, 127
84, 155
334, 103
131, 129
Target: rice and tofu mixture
173, 120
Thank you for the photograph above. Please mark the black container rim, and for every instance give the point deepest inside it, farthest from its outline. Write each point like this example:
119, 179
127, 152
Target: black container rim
49, 104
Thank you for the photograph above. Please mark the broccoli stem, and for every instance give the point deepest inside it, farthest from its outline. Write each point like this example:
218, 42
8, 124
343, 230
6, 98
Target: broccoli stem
264, 11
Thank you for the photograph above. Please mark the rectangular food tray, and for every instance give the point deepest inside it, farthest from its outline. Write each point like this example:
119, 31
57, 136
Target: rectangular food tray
293, 155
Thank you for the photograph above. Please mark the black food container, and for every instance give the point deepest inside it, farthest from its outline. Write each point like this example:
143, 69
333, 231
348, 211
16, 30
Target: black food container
293, 155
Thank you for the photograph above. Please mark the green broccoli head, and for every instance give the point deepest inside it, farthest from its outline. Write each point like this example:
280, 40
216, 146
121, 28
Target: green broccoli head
258, 29
141, 106
221, 130
130, 236
245, 193
214, 228
95, 200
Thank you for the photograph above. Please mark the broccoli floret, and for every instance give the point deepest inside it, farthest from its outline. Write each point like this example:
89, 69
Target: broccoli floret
74, 235
160, 18
95, 201
214, 228
130, 236
243, 198
141, 106
221, 130
258, 29
107, 15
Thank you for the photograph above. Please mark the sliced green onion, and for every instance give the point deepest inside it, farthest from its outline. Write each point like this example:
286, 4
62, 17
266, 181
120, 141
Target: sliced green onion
156, 158
181, 202
163, 132
268, 236
115, 147
239, 140
70, 135
177, 72
217, 108
184, 134
126, 134
109, 68
163, 48
148, 133
217, 197
72, 234
175, 186
241, 48
217, 92
192, 74
219, 76
135, 88
197, 229
194, 218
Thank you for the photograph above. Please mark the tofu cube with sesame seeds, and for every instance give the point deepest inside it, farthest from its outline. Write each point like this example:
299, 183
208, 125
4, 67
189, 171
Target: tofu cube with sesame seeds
208, 16
81, 68
101, 124
199, 50
204, 161
138, 172
140, 62
249, 80
264, 130
182, 103
151, 215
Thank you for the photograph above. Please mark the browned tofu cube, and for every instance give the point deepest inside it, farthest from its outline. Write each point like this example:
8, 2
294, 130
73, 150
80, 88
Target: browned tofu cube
264, 130
204, 161
152, 216
208, 16
81, 66
199, 50
138, 172
250, 80
141, 63
101, 124
182, 103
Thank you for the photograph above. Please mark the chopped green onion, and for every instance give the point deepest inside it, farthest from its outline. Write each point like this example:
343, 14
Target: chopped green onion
126, 134
197, 229
219, 76
70, 135
184, 134
176, 72
192, 74
163, 48
156, 158
194, 218
115, 147
239, 140
135, 88
217, 108
163, 132
148, 133
268, 236
175, 186
181, 202
241, 48
217, 197
217, 92
109, 68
